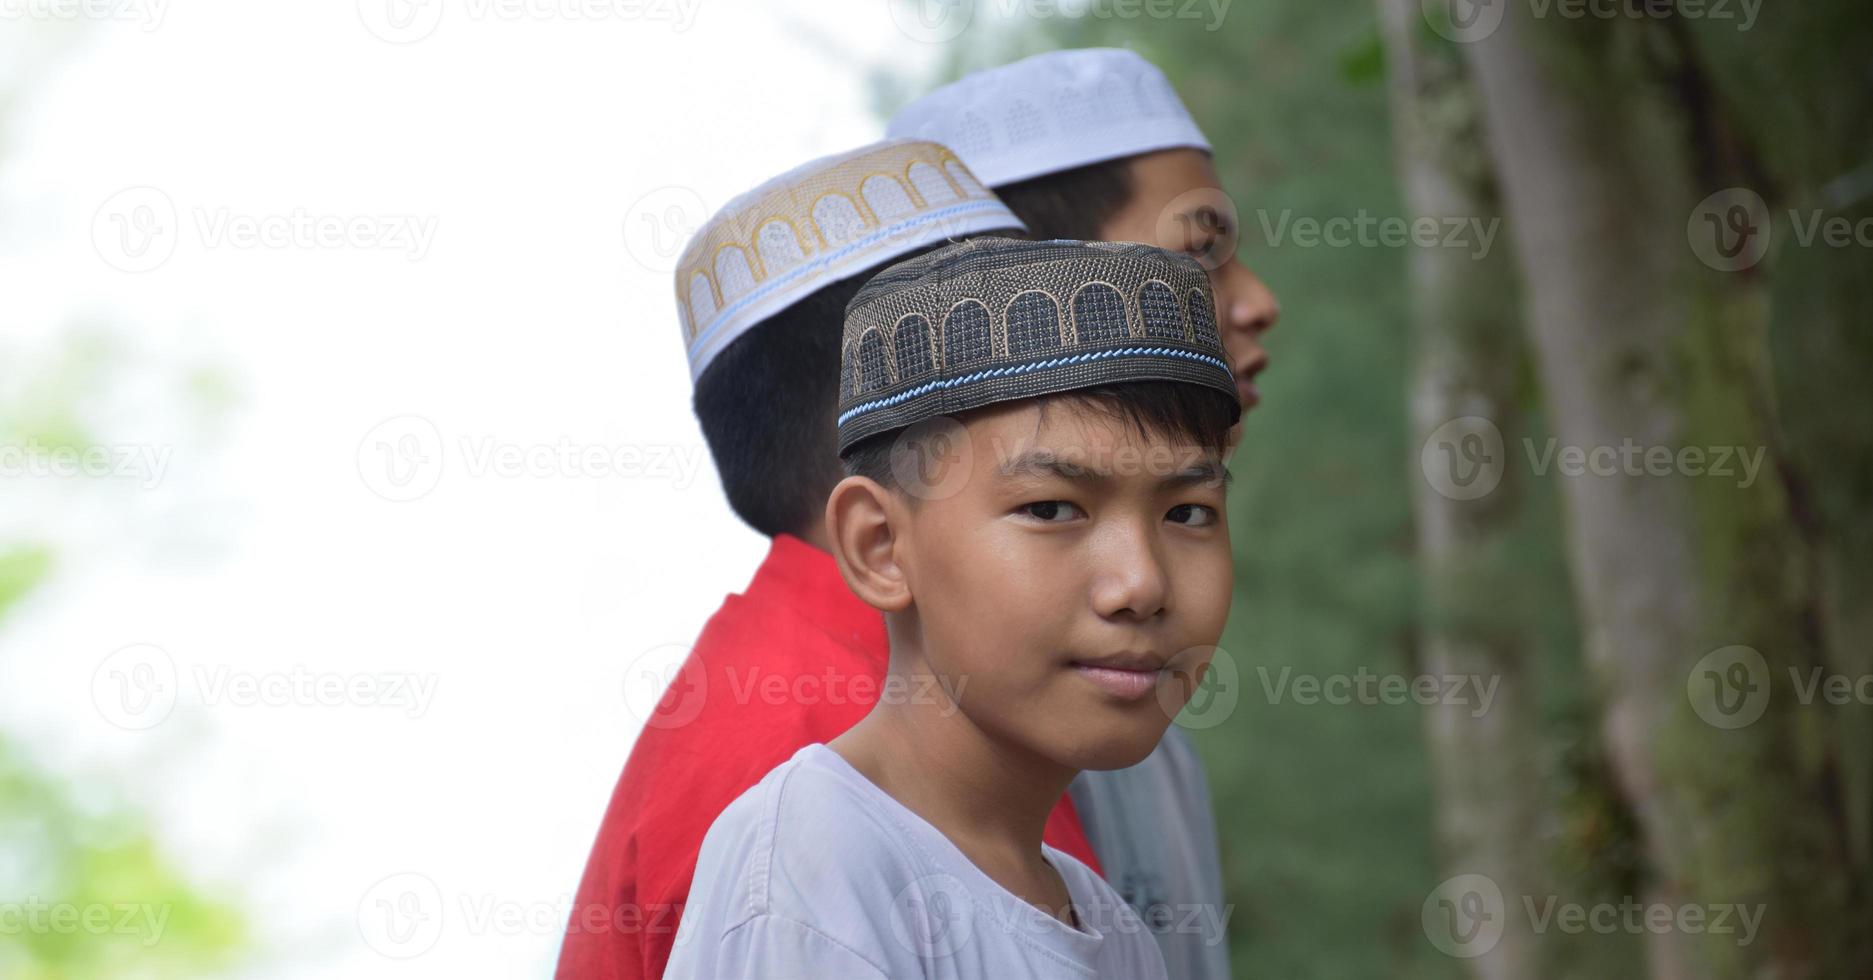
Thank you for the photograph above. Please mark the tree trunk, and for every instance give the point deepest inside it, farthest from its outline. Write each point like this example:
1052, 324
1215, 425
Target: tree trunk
1468, 356
1640, 344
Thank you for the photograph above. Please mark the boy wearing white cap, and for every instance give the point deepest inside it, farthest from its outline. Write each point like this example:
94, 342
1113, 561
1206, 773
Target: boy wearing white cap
1095, 144
795, 658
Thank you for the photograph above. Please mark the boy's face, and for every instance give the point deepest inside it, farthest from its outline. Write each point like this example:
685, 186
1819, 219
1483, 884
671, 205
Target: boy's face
1078, 578
1178, 204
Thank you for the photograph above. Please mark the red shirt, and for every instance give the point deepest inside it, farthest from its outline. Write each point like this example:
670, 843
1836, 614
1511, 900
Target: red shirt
795, 659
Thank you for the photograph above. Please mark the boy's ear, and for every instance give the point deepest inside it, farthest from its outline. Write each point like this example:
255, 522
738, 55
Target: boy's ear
864, 525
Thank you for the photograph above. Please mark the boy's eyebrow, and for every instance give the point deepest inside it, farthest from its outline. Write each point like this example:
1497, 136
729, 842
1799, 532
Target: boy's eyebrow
1045, 462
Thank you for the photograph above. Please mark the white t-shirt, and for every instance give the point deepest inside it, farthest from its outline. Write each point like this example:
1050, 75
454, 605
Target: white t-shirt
815, 872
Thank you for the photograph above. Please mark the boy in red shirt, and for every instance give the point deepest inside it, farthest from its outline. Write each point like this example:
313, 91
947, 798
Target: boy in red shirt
761, 292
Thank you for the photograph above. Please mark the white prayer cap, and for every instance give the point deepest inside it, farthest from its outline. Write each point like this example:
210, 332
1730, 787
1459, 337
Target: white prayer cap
1053, 112
816, 224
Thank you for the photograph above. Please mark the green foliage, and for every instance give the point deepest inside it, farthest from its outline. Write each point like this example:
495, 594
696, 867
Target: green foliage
96, 896
87, 891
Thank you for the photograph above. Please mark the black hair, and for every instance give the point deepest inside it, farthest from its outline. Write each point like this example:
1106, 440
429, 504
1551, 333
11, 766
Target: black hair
1176, 411
1071, 203
768, 404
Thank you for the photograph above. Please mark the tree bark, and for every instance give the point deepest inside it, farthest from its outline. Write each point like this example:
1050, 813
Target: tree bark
1638, 343
1467, 358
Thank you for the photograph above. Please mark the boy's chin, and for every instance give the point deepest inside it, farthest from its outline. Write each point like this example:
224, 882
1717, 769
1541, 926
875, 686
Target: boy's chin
1115, 749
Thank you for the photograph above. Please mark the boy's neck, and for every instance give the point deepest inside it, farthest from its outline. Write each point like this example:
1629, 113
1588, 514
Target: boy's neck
990, 798
815, 535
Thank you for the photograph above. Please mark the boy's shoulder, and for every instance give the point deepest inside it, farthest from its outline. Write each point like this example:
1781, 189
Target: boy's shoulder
807, 849
810, 829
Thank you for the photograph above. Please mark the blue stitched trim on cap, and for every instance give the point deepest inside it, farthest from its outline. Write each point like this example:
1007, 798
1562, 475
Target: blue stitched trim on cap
723, 315
927, 387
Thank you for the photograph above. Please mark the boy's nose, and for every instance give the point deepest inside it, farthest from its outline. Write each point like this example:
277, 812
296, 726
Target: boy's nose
1129, 581
1250, 307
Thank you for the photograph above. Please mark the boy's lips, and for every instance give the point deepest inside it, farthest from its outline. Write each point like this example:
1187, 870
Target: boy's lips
1246, 390
1125, 675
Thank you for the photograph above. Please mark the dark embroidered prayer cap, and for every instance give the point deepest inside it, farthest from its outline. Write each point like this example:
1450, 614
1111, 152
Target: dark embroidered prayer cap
995, 319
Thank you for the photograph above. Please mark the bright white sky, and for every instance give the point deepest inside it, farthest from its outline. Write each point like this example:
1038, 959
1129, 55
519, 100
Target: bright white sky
525, 147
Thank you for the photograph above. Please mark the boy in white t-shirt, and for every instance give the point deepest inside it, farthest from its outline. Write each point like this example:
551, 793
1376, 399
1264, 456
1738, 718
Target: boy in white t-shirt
1035, 434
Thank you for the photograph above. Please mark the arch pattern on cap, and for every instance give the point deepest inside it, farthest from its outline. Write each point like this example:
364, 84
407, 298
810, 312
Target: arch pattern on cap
733, 275
911, 343
1099, 313
1203, 319
871, 369
819, 223
1163, 316
1032, 322
1096, 311
968, 334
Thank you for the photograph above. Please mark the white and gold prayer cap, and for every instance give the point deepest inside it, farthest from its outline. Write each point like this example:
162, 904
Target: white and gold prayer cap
819, 223
1052, 112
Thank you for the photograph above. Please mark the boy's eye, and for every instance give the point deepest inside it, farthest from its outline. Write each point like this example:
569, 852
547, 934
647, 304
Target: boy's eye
1192, 515
1051, 510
